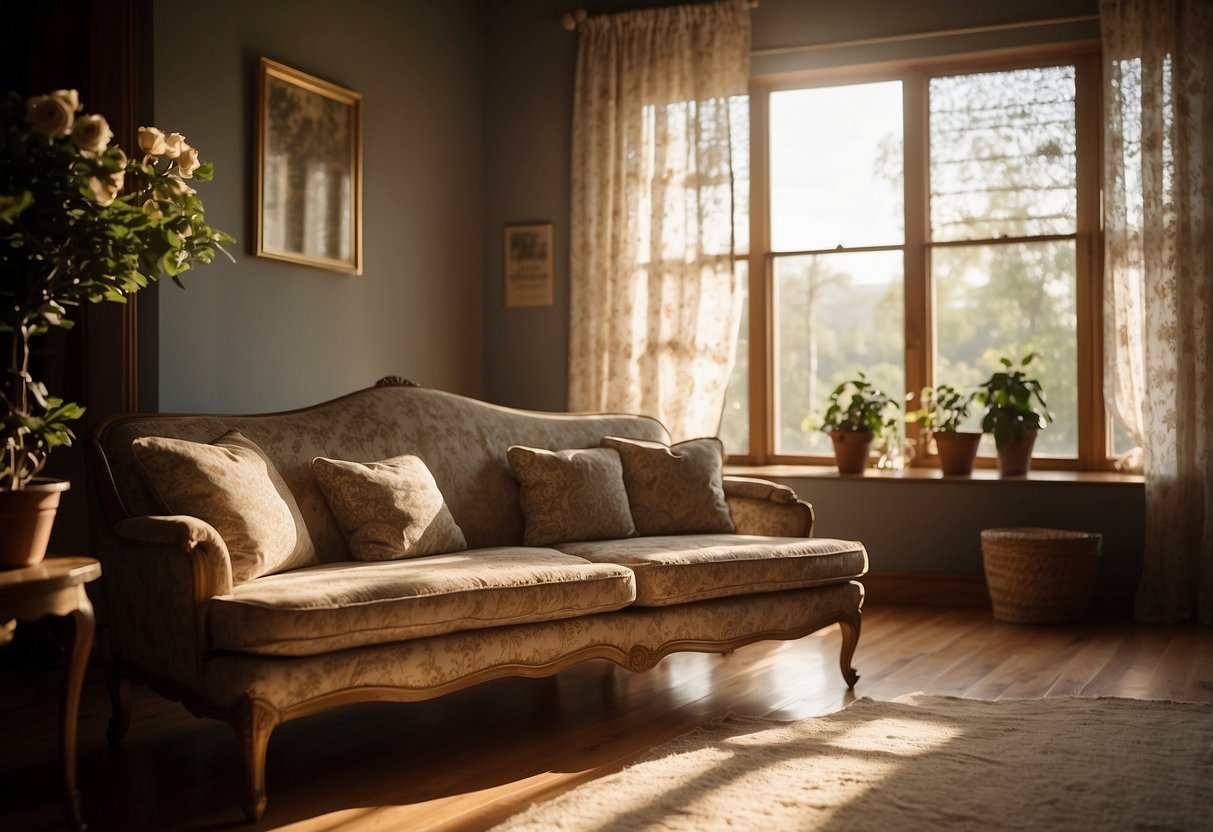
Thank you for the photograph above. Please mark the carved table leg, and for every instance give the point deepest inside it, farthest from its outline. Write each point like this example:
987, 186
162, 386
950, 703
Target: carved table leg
850, 639
119, 691
255, 721
82, 645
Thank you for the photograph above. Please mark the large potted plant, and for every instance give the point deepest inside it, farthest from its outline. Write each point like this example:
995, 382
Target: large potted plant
80, 222
1015, 412
858, 413
942, 411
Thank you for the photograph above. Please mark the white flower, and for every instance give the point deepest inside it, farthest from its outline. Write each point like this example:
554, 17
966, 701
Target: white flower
51, 115
187, 161
105, 189
92, 134
180, 187
70, 98
173, 143
151, 141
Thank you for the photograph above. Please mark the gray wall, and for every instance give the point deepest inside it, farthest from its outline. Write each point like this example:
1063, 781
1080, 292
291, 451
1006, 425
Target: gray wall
530, 62
935, 525
467, 110
914, 526
262, 335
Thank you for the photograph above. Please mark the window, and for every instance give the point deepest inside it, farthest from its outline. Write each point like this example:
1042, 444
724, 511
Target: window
917, 225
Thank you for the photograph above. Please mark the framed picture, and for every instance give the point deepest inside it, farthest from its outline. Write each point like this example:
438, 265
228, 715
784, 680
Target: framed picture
309, 170
528, 265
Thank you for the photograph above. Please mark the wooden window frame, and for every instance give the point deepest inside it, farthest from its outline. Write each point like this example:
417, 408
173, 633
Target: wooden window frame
1094, 452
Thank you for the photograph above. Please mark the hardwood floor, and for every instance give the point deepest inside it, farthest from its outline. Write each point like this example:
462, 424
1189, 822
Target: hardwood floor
469, 760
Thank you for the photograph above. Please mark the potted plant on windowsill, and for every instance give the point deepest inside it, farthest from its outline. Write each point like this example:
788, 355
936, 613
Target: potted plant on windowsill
858, 413
1012, 416
943, 410
79, 222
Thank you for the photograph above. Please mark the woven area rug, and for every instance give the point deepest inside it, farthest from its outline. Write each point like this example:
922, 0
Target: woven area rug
919, 763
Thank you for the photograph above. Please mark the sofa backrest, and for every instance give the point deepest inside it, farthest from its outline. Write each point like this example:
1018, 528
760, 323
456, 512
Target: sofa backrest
463, 442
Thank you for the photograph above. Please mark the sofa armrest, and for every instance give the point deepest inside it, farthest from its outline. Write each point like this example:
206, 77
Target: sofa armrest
158, 575
767, 508
212, 567
751, 488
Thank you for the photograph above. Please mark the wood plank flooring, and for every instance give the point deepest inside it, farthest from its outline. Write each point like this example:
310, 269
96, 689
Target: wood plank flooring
468, 761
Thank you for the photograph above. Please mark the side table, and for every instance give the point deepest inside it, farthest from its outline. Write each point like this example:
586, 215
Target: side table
56, 587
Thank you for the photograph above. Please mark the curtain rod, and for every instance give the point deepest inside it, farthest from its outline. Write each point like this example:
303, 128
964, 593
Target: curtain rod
571, 20
938, 33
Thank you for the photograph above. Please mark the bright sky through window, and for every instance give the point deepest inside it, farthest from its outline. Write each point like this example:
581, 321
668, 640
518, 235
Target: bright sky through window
836, 167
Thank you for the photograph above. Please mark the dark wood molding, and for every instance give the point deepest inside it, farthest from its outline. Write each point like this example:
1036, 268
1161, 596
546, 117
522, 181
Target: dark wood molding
968, 590
114, 86
100, 49
960, 590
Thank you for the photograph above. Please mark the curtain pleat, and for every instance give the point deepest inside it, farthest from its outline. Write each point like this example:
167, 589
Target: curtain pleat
1158, 283
660, 118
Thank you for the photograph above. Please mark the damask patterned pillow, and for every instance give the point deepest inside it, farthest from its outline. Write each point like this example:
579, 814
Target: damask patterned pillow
234, 486
388, 510
674, 489
571, 495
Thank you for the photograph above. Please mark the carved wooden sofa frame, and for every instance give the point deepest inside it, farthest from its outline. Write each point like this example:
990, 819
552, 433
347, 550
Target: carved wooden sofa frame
160, 574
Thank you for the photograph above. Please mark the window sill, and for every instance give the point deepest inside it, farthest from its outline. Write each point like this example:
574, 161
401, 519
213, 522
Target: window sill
981, 475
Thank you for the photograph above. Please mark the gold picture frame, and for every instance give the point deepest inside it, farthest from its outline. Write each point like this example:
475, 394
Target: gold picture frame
528, 265
309, 170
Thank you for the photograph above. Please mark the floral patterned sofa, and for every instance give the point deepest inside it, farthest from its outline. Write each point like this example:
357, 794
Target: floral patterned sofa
489, 589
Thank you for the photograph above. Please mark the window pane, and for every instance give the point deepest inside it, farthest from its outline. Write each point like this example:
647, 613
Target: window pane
834, 314
1003, 154
836, 161
735, 421
996, 300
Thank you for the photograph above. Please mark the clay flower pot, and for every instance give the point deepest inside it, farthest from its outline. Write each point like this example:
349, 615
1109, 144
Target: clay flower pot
851, 449
26, 516
1015, 454
957, 452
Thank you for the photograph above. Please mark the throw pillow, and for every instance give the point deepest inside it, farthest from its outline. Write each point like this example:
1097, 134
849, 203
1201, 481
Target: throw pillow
674, 489
390, 509
234, 486
571, 495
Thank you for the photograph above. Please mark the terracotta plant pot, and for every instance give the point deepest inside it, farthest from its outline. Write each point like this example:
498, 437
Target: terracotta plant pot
26, 516
1015, 454
957, 452
851, 449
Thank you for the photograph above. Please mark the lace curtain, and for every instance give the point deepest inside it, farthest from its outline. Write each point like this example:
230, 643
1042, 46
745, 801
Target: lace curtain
660, 141
1158, 289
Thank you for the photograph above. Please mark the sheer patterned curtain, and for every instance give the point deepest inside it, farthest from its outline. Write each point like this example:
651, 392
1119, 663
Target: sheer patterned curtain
660, 142
1158, 290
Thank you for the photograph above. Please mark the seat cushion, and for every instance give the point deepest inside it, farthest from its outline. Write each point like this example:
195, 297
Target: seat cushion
339, 605
683, 568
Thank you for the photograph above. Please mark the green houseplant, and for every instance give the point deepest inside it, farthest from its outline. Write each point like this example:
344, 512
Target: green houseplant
857, 414
942, 412
80, 222
1015, 411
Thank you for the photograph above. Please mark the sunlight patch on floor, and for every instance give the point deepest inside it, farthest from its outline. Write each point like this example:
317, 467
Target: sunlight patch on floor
919, 735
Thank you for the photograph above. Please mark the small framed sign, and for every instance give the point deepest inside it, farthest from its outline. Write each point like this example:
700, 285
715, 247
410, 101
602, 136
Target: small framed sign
528, 265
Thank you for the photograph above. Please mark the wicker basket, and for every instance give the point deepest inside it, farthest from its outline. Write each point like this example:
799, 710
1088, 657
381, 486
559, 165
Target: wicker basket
1040, 576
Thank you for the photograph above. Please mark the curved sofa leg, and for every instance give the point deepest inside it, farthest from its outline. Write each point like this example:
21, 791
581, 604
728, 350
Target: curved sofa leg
850, 639
255, 721
119, 690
